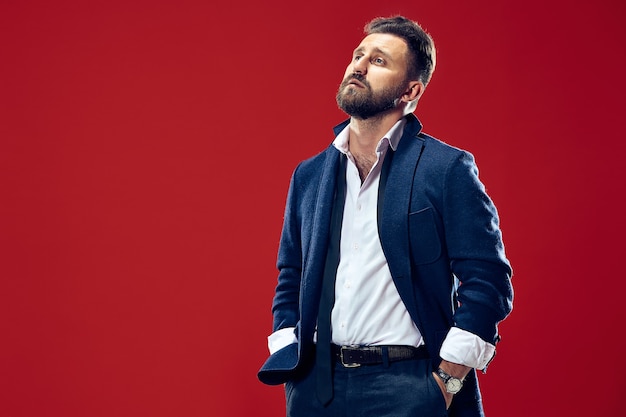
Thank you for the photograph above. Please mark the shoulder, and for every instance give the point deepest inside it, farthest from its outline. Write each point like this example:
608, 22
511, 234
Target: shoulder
442, 154
440, 148
440, 163
429, 146
313, 166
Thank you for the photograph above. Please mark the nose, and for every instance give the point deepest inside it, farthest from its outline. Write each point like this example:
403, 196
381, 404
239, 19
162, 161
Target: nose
360, 66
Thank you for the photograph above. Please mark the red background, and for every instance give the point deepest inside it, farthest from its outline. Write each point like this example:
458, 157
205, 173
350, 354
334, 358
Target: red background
145, 153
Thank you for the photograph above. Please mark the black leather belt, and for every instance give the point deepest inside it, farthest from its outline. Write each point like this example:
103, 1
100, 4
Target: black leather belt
353, 356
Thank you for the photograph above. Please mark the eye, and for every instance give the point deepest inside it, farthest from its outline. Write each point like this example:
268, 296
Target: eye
378, 61
358, 57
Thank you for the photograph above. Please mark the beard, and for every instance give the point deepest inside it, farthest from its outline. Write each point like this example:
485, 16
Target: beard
364, 103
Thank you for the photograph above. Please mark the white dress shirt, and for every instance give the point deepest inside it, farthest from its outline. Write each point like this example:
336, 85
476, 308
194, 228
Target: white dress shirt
368, 309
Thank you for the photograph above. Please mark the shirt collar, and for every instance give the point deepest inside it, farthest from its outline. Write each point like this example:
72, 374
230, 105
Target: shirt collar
392, 138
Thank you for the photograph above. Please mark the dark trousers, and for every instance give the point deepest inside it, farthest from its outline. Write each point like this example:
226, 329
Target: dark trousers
400, 389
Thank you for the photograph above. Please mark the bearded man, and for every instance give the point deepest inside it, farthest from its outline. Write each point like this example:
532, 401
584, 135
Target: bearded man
392, 273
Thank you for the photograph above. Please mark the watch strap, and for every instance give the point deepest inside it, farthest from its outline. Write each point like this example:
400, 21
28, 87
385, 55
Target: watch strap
450, 380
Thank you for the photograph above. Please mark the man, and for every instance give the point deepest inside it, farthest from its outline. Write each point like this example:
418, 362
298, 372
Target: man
392, 273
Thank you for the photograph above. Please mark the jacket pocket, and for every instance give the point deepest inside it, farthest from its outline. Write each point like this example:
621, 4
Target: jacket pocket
423, 237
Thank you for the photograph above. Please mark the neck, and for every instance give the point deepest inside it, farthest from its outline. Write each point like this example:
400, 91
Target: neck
366, 133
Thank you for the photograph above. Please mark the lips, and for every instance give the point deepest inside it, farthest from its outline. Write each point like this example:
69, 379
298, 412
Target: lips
354, 81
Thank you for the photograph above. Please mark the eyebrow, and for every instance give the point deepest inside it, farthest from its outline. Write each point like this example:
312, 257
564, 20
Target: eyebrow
374, 50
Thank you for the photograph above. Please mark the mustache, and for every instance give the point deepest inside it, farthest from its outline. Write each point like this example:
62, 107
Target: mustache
355, 76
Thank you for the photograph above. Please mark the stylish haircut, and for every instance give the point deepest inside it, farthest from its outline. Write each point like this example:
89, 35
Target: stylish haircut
422, 55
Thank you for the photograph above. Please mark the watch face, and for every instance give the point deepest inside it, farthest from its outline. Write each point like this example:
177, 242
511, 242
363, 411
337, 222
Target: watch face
453, 385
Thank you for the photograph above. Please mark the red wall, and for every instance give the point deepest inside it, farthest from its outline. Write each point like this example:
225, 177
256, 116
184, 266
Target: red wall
145, 153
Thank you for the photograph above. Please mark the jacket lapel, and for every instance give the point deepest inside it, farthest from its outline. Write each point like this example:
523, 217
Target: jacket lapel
314, 260
393, 229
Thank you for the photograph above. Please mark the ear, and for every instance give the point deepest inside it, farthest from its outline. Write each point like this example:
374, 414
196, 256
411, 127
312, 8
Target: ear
413, 92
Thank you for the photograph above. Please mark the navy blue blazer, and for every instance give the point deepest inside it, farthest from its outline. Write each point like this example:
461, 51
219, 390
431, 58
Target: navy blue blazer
436, 223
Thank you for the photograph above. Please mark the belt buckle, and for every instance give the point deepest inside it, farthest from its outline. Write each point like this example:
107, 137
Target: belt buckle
350, 364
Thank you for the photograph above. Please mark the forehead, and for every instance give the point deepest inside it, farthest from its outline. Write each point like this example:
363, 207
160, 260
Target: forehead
392, 45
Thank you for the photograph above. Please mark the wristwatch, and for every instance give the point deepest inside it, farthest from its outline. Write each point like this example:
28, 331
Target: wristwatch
453, 384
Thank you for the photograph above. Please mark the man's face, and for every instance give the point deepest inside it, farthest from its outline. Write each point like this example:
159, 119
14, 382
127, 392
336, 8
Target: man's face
376, 77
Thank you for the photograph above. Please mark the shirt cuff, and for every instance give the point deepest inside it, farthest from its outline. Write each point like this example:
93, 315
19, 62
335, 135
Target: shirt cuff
281, 338
465, 348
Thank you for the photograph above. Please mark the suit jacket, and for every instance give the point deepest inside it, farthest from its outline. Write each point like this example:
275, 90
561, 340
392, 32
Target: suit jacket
437, 227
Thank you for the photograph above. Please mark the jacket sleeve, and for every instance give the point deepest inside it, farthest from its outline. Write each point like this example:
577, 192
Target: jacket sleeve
289, 263
476, 251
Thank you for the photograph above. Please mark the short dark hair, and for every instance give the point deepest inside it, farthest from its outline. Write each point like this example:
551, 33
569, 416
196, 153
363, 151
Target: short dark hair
421, 46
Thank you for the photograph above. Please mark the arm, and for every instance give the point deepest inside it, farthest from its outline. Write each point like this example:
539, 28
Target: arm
476, 252
289, 264
477, 259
